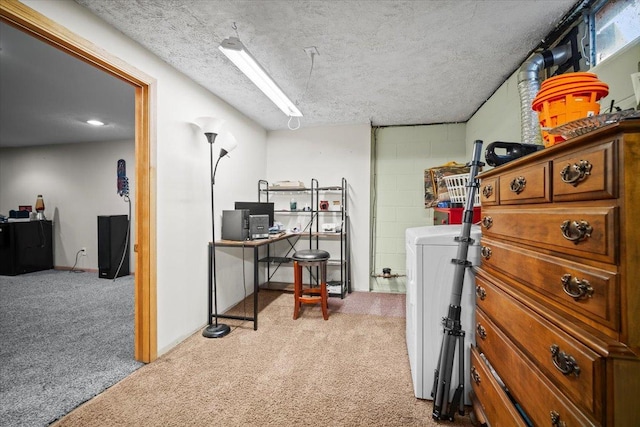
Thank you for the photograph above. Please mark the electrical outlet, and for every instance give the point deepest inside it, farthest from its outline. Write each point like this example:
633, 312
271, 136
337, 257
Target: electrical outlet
83, 251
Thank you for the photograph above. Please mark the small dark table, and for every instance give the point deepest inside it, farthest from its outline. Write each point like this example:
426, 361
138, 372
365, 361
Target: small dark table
25, 247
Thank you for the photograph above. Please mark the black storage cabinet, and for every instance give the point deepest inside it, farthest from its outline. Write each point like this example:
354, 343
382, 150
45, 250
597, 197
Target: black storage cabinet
25, 247
113, 242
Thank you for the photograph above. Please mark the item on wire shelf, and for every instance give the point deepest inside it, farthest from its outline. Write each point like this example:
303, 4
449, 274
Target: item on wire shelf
328, 227
287, 185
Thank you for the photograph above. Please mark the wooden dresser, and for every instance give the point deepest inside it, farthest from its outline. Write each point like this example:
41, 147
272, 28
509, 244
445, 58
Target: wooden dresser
558, 290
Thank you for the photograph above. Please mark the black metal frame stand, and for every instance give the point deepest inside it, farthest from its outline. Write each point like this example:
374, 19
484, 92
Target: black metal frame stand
453, 332
213, 329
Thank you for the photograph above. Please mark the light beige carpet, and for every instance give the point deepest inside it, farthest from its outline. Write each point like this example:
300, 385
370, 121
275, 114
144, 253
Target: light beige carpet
351, 370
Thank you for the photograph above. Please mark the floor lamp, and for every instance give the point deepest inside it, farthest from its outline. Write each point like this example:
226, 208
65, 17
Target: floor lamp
211, 128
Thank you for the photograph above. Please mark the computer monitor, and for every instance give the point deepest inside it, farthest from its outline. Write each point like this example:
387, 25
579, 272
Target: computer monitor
258, 208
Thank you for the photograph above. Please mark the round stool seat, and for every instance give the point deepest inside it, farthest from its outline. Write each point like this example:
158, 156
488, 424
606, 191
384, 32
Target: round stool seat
309, 258
311, 255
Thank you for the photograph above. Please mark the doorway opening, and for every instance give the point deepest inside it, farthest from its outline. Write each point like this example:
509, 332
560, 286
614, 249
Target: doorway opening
41, 27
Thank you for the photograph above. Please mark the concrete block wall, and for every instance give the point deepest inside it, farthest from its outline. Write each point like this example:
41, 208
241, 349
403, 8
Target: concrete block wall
401, 154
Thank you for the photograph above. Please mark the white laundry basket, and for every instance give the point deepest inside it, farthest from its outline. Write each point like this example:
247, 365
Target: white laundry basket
457, 188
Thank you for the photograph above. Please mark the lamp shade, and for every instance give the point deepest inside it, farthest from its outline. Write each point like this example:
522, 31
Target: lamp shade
228, 143
210, 124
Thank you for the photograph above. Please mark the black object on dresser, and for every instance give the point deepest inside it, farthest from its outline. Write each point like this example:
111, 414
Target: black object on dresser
113, 241
26, 247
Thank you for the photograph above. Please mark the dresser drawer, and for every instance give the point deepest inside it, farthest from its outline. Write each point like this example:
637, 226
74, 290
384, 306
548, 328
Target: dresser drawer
575, 368
489, 192
585, 231
589, 175
585, 292
527, 185
495, 403
537, 396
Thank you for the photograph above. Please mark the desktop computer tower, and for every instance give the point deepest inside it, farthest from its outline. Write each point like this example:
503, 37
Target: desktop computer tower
235, 224
113, 244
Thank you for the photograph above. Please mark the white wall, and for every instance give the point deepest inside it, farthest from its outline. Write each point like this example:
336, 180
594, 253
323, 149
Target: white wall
181, 163
328, 154
498, 119
78, 183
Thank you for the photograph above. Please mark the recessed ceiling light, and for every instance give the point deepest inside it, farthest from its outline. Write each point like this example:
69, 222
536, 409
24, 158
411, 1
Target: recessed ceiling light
95, 122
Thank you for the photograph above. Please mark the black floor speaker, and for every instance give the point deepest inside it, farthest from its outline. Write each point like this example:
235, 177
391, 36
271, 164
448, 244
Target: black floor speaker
113, 244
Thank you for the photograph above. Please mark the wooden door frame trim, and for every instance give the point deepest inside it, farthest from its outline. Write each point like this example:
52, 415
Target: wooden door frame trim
28, 20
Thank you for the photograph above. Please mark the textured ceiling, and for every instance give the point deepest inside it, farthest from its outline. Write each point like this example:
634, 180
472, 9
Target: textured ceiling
380, 61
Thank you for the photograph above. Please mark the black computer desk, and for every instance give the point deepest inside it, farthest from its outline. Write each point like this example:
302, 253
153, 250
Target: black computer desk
255, 245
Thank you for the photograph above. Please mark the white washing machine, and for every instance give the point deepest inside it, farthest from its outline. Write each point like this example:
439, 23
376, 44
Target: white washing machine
430, 274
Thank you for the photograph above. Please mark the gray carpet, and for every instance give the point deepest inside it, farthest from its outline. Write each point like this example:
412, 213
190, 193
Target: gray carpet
65, 337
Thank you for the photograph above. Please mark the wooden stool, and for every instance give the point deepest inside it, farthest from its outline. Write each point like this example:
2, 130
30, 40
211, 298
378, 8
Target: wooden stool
310, 258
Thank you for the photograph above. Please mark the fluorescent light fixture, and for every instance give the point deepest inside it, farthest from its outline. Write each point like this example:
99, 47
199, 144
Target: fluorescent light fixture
240, 56
95, 122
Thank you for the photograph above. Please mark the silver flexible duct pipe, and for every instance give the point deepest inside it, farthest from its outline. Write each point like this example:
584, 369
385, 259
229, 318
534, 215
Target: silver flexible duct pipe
529, 86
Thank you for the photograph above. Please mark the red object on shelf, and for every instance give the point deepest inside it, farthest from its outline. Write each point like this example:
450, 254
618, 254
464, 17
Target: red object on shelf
442, 216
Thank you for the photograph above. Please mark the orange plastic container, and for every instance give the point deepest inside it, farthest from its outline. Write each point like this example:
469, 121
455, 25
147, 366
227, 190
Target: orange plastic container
566, 98
601, 89
568, 79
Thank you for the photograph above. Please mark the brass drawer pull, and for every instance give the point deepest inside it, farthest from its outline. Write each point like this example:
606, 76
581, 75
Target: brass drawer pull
485, 252
517, 184
576, 288
576, 231
481, 292
576, 173
487, 191
564, 362
555, 420
487, 221
475, 376
482, 332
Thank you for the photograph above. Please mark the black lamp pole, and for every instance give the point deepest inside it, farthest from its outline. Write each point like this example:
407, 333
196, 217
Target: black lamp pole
213, 330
